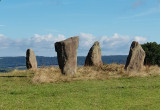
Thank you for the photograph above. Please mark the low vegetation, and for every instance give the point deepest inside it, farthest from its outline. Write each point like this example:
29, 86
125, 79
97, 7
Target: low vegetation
152, 53
108, 71
92, 88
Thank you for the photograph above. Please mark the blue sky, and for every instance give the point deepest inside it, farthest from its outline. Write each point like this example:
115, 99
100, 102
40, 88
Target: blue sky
37, 24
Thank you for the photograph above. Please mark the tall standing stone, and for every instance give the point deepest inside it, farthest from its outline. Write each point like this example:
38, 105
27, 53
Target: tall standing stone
67, 55
31, 62
135, 59
94, 56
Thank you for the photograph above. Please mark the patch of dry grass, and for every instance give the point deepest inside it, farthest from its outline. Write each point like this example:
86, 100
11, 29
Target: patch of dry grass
146, 71
19, 73
53, 74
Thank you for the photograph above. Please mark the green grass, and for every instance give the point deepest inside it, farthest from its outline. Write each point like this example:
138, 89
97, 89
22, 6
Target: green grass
18, 93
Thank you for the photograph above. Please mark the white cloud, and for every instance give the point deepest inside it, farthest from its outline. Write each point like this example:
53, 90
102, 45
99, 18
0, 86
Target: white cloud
118, 44
115, 41
48, 38
59, 38
114, 45
2, 37
43, 45
140, 39
86, 40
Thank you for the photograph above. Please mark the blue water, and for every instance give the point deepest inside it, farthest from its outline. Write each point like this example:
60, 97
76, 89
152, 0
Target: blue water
19, 62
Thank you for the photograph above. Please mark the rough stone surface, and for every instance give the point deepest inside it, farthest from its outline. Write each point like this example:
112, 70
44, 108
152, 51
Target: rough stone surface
94, 56
67, 55
31, 62
135, 59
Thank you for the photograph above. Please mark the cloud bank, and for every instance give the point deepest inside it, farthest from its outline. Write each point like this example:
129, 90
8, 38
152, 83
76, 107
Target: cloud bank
43, 45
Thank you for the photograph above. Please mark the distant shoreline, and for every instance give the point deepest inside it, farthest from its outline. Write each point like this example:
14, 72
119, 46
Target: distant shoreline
19, 62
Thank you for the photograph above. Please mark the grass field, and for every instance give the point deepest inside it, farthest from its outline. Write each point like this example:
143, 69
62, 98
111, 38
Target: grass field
17, 92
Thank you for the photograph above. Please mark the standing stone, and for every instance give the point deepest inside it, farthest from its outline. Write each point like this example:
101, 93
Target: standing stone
94, 56
135, 59
67, 55
31, 62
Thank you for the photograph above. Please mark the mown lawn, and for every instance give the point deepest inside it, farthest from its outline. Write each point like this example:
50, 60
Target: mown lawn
18, 93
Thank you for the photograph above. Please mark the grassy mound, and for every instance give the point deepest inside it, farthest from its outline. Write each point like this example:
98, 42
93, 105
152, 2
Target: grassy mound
53, 74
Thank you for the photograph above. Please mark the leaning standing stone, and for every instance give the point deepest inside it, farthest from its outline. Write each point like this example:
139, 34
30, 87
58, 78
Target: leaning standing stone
31, 62
94, 56
67, 55
135, 59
